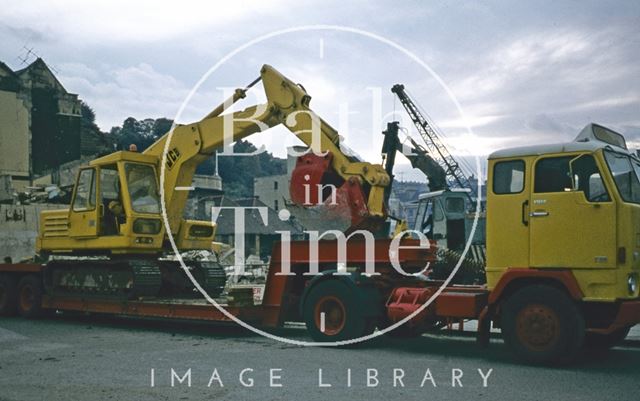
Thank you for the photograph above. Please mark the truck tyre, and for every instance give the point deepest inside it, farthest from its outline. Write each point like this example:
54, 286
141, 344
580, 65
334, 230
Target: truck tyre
606, 341
542, 325
344, 317
30, 297
8, 295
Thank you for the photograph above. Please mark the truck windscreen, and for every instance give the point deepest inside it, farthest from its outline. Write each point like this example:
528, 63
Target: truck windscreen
625, 172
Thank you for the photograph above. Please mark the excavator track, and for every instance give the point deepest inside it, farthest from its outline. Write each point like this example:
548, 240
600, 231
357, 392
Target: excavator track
132, 278
212, 277
209, 274
103, 278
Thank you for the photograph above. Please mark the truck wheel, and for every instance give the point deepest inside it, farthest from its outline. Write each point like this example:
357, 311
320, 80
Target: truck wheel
30, 297
541, 324
606, 341
332, 313
8, 295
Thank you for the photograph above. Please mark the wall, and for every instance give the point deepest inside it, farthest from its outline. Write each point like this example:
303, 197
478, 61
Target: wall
19, 229
14, 135
270, 193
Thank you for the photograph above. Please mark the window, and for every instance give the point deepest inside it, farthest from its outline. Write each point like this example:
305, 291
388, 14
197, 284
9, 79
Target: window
508, 177
275, 205
275, 185
85, 198
552, 175
587, 178
143, 188
109, 183
625, 171
454, 205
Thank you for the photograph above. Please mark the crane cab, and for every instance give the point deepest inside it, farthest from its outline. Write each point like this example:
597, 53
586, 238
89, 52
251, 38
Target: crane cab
572, 206
446, 217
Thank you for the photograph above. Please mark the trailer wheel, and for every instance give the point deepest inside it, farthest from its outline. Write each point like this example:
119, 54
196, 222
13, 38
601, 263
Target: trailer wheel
30, 297
541, 324
8, 295
606, 341
332, 313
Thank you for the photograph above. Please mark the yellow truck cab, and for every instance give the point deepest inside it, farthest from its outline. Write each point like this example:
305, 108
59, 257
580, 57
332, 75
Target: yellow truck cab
567, 215
568, 206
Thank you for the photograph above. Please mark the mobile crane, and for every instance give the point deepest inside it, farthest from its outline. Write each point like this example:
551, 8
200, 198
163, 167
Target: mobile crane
447, 212
562, 239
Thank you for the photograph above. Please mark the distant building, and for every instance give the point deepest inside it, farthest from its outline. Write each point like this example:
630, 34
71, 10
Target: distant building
259, 236
272, 190
40, 124
207, 190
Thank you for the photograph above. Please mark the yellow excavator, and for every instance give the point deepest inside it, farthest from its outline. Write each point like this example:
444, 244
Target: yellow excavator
112, 240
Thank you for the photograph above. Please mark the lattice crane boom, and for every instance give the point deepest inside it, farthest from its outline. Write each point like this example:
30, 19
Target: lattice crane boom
434, 144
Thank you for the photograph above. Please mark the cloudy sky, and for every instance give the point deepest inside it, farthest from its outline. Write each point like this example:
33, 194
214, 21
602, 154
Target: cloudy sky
523, 72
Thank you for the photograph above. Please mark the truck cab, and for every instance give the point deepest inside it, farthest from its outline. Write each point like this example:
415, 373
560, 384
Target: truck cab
572, 206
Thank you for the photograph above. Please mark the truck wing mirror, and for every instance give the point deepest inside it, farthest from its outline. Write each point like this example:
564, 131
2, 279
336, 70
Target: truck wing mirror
574, 178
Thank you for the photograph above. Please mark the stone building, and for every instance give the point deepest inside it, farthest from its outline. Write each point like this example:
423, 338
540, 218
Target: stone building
40, 124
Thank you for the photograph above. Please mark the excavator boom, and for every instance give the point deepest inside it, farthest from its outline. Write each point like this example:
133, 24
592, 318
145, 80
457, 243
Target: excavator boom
287, 104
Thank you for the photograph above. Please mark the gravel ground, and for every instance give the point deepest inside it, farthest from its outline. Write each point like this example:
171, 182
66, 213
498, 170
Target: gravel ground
100, 358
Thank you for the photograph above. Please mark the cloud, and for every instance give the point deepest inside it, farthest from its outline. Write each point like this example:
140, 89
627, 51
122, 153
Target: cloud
522, 73
129, 21
139, 91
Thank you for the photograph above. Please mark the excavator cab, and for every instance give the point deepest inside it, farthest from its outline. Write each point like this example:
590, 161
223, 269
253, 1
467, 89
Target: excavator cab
115, 206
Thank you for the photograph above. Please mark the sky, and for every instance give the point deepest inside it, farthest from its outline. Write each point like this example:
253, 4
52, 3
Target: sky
522, 72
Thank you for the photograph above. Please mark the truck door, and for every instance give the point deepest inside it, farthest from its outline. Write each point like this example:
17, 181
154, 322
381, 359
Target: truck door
507, 223
83, 215
572, 217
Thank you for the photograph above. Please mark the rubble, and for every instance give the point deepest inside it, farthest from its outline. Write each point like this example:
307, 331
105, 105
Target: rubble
43, 194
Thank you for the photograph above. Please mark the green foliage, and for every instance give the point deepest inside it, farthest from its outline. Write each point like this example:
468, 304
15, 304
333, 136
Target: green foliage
238, 172
89, 129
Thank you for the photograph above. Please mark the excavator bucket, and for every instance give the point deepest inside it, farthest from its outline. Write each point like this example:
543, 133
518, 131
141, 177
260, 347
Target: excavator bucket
340, 204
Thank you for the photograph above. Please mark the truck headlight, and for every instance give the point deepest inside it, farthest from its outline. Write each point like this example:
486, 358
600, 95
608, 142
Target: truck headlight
632, 284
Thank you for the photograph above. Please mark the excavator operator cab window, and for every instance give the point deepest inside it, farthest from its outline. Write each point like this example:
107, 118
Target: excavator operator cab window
85, 197
111, 201
143, 188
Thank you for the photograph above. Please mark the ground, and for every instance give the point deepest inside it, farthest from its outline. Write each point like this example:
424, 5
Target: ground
101, 358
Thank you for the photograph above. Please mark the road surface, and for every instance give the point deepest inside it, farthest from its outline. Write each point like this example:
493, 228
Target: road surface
101, 358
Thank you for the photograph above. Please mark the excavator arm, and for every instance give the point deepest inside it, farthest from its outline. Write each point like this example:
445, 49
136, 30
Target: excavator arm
359, 185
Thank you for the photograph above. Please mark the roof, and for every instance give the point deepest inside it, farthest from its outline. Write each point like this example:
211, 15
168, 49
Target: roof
432, 194
586, 141
39, 63
126, 156
6, 69
254, 224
